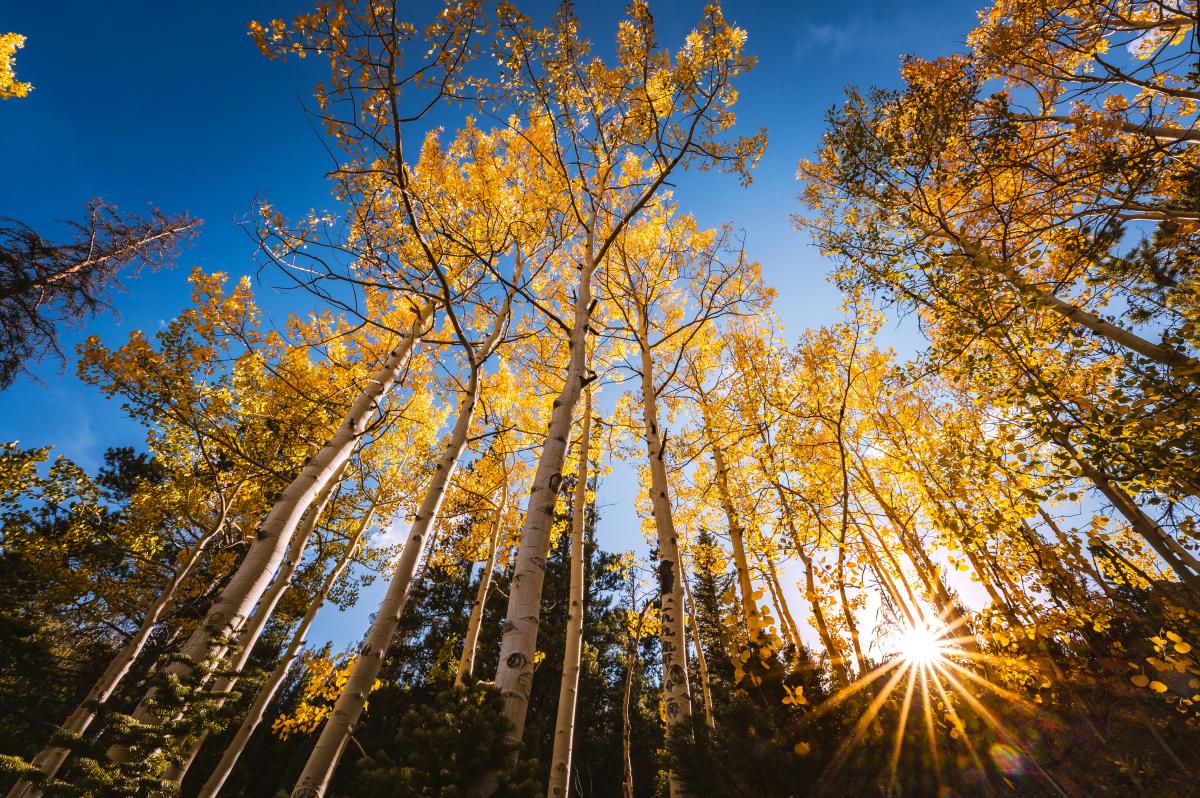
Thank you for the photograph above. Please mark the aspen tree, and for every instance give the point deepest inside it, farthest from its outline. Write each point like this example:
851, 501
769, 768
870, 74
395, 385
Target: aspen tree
256, 624
466, 661
668, 285
267, 692
314, 779
50, 759
250, 581
646, 116
201, 420
564, 725
750, 614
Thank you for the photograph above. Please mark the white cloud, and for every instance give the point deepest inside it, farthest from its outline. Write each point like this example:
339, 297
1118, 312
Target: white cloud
392, 535
829, 38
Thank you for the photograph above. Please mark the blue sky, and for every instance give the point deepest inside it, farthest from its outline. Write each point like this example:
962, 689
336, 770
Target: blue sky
139, 104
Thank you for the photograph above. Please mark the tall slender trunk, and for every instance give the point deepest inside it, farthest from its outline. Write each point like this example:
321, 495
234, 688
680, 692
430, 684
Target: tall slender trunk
266, 694
911, 613
741, 564
253, 575
677, 696
514, 673
568, 690
1055, 577
466, 662
1181, 365
847, 615
929, 574
841, 675
1081, 559
259, 619
993, 590
1015, 594
1177, 558
51, 758
897, 573
786, 618
701, 659
737, 541
626, 723
314, 779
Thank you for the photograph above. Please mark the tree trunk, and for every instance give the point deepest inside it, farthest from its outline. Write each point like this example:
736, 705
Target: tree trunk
786, 620
913, 610
50, 759
254, 715
737, 541
929, 574
837, 663
466, 663
841, 675
259, 620
626, 722
847, 615
701, 659
1180, 364
568, 691
254, 574
319, 768
677, 698
1177, 558
314, 779
514, 673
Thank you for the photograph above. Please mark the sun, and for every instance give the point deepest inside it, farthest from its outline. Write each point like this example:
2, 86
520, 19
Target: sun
921, 644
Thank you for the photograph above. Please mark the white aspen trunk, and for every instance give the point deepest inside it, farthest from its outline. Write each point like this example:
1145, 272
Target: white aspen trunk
318, 770
466, 662
514, 674
786, 618
50, 759
701, 659
626, 723
254, 715
1177, 558
314, 779
259, 619
255, 572
677, 696
737, 541
568, 691
841, 675
1180, 364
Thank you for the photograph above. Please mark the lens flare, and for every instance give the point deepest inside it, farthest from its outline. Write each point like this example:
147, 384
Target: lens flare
922, 644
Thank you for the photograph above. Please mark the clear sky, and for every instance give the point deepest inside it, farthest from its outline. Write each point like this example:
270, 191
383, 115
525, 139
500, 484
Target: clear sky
171, 103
